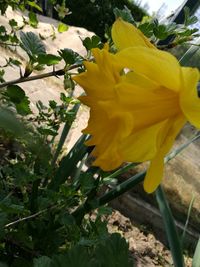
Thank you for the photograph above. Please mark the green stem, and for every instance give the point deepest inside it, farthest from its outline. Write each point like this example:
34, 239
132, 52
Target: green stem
121, 188
121, 170
187, 220
63, 137
170, 227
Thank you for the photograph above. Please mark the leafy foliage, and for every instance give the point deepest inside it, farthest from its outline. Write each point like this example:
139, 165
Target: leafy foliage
95, 15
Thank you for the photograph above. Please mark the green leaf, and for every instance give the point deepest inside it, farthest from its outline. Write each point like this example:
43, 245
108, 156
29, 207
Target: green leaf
48, 59
32, 44
69, 162
160, 32
87, 182
196, 258
15, 93
125, 14
13, 23
33, 4
2, 29
2, 73
43, 261
23, 107
33, 21
76, 257
113, 252
62, 27
14, 62
70, 57
147, 28
170, 227
9, 122
17, 96
189, 20
92, 42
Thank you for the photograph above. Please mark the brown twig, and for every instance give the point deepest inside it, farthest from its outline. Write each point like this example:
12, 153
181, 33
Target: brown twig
60, 72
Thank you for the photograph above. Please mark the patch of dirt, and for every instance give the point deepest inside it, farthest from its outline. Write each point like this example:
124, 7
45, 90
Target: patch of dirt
146, 250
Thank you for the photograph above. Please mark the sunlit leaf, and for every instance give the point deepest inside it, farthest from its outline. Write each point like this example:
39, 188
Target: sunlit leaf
62, 27
33, 4
48, 59
33, 21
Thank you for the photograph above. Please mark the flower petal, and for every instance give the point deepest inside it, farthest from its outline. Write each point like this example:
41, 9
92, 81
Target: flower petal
158, 66
100, 77
142, 145
189, 100
147, 106
126, 35
165, 141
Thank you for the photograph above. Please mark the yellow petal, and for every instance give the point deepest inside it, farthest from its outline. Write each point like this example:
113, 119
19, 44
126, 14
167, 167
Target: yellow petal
165, 141
142, 145
148, 106
99, 78
159, 66
189, 100
126, 35
154, 174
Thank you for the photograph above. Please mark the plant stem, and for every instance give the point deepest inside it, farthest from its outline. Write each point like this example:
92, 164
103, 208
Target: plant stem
60, 72
31, 216
170, 228
63, 137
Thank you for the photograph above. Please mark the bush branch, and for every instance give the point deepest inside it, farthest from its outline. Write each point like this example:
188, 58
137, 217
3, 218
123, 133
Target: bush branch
60, 72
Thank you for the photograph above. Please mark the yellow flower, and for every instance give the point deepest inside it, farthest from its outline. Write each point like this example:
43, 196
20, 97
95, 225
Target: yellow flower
139, 100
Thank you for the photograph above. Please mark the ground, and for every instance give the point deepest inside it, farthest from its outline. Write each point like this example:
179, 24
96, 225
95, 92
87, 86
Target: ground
146, 250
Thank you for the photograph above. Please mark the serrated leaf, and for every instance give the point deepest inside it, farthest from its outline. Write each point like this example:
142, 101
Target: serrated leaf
43, 261
48, 59
160, 32
92, 42
125, 14
70, 57
32, 44
62, 27
76, 257
189, 20
113, 252
33, 21
23, 107
147, 28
